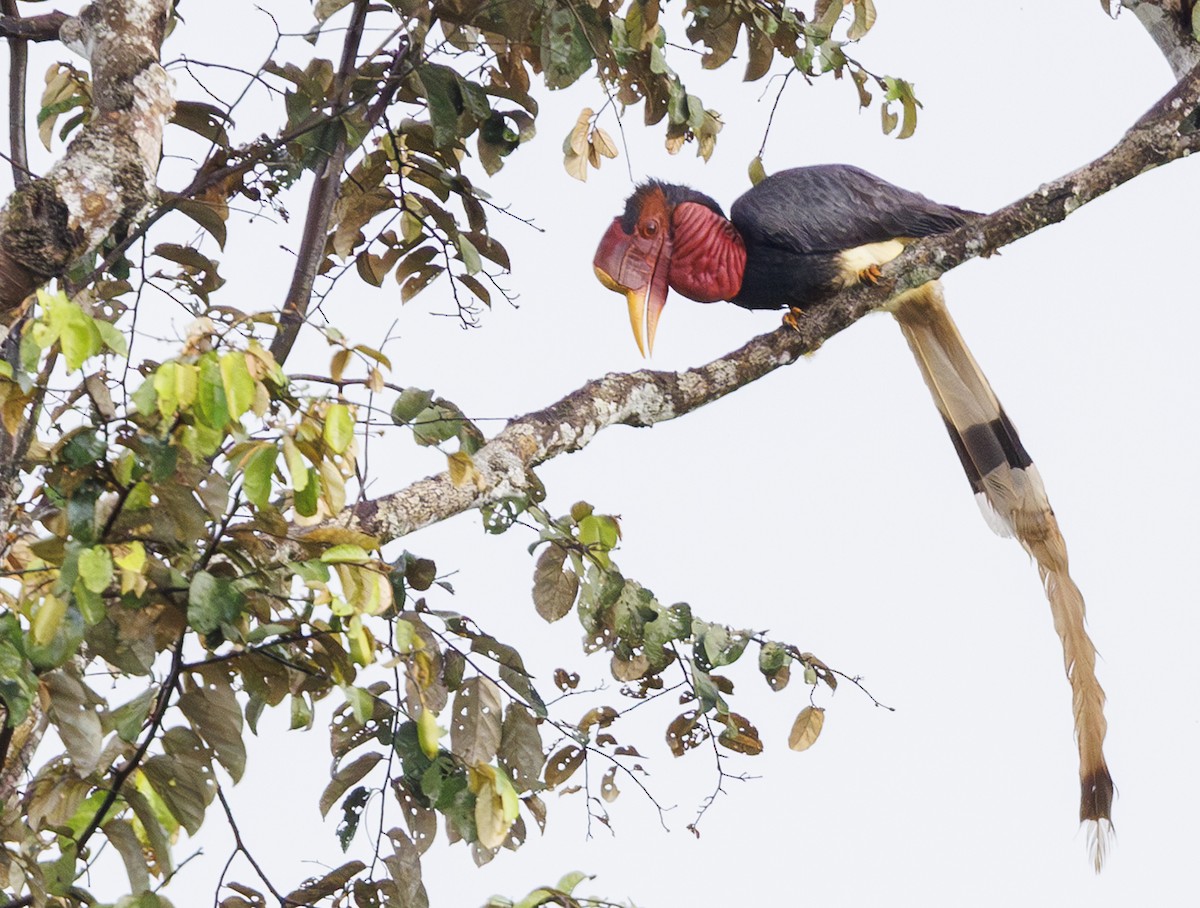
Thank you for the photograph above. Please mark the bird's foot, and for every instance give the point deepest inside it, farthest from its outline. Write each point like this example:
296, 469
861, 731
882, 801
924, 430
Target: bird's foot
870, 275
792, 319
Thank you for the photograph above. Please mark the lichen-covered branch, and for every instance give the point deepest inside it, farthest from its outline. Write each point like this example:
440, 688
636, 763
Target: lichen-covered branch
647, 397
106, 179
1169, 23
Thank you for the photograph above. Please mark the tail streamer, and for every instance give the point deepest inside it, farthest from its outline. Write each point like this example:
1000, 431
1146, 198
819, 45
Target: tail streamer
1010, 493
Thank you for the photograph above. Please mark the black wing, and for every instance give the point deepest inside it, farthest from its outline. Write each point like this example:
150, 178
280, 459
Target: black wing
831, 207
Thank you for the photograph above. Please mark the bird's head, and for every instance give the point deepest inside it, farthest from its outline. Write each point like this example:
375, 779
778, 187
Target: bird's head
669, 236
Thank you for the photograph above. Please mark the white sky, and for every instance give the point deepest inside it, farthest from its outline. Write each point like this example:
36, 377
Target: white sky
825, 503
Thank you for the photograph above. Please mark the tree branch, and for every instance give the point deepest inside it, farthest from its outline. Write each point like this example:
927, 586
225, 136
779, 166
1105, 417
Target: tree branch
18, 64
1169, 24
320, 202
31, 28
646, 397
106, 179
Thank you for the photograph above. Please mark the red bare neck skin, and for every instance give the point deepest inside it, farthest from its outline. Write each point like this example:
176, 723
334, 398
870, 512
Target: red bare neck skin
708, 257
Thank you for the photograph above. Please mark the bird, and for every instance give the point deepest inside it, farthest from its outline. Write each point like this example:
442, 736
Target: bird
795, 240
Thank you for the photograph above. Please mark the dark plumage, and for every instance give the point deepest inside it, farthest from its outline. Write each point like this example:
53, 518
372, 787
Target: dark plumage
795, 222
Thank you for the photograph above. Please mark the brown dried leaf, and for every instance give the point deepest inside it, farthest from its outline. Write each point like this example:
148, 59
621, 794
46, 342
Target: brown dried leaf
740, 736
348, 775
554, 586
685, 732
476, 721
608, 785
562, 765
807, 728
422, 821
71, 710
520, 754
215, 715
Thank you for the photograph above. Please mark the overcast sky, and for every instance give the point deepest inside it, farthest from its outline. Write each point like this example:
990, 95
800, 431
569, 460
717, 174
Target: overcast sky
825, 503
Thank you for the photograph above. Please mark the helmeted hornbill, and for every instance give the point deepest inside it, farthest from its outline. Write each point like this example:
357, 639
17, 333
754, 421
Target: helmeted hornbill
795, 240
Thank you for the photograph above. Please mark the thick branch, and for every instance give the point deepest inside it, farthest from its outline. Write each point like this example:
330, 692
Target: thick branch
1169, 23
644, 398
106, 179
32, 28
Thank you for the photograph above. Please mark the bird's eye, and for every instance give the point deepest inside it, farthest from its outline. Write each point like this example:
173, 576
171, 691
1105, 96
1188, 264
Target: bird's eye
650, 228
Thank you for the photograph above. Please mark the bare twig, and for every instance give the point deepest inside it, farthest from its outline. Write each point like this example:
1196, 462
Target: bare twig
320, 202
18, 65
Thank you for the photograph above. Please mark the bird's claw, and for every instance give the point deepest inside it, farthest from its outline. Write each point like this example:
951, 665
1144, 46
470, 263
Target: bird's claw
792, 319
870, 275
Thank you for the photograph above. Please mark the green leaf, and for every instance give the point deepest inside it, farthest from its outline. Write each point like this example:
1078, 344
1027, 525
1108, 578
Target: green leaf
436, 424
345, 554
96, 568
18, 684
296, 464
211, 403
444, 97
566, 52
339, 428
429, 733
305, 499
129, 719
239, 384
213, 603
410, 404
470, 255
112, 337
352, 811
757, 172
257, 472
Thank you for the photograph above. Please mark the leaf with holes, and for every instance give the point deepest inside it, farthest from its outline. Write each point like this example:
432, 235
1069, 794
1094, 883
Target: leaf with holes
739, 735
476, 721
562, 765
319, 888
73, 713
216, 717
520, 754
554, 586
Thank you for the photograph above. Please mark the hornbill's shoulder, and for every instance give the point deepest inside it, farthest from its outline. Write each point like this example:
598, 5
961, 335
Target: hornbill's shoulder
831, 207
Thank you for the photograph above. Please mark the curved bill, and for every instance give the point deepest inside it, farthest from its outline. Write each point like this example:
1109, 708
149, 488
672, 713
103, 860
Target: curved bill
636, 266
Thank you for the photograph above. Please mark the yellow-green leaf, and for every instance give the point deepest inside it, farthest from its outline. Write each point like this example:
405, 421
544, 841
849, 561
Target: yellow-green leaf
339, 428
296, 464
345, 554
47, 619
96, 568
239, 384
429, 732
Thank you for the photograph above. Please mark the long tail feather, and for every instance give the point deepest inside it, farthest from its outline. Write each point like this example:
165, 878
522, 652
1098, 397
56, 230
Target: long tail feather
1010, 491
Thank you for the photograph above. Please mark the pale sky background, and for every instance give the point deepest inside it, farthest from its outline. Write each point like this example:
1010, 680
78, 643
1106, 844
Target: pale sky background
825, 503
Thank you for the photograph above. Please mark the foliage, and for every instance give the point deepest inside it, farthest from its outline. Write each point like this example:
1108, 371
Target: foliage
179, 528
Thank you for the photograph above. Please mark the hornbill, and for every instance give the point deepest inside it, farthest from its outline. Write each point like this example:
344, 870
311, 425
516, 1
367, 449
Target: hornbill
795, 240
